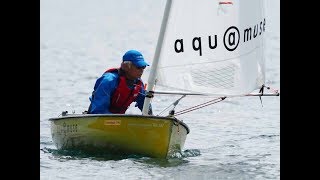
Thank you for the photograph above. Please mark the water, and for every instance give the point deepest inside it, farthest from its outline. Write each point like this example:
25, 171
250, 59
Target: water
234, 139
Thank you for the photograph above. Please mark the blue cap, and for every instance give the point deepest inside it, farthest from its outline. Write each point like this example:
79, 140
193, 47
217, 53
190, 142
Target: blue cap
135, 57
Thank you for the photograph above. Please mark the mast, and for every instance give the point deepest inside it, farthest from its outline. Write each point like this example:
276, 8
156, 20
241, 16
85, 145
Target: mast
154, 66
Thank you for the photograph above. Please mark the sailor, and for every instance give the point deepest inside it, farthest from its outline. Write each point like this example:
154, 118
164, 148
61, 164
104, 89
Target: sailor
117, 88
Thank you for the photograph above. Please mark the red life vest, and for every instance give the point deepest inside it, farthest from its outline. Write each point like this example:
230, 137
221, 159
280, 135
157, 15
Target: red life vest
123, 96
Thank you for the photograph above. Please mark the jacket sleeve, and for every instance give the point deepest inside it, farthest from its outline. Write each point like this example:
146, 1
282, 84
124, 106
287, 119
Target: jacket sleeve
102, 95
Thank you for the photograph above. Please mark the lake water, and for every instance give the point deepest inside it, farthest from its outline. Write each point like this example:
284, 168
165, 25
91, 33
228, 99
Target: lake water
234, 139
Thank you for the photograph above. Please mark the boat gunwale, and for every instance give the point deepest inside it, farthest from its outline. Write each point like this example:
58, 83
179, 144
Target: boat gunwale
120, 115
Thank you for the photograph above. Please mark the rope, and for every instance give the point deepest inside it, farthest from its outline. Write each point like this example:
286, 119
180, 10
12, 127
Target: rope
200, 106
173, 104
226, 2
219, 99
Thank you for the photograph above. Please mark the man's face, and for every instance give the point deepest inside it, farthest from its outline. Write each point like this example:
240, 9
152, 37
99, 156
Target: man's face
135, 72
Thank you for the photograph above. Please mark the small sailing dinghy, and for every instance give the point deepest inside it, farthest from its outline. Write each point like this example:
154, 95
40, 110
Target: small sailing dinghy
151, 136
206, 48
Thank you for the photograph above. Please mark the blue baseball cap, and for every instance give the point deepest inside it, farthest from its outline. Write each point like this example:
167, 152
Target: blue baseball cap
135, 57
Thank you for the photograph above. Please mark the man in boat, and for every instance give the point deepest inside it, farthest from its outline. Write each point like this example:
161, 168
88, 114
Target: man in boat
117, 88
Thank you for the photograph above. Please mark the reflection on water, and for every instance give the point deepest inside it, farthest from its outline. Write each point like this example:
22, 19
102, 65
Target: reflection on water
176, 160
78, 154
172, 162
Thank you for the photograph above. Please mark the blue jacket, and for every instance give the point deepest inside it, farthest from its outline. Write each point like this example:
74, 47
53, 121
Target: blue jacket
103, 91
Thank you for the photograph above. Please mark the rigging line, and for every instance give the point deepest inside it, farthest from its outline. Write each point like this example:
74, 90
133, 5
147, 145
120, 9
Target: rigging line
261, 91
198, 106
225, 2
215, 101
212, 60
276, 91
202, 105
173, 104
165, 109
176, 93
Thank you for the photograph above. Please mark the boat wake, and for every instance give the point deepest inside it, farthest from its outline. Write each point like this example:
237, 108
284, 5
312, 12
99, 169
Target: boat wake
191, 153
186, 153
176, 159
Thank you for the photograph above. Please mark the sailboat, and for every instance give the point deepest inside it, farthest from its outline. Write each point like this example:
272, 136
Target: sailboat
205, 48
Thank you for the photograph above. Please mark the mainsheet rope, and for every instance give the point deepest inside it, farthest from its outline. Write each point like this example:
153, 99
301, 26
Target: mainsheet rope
200, 106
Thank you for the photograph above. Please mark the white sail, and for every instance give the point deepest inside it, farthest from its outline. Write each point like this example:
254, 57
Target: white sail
211, 47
